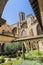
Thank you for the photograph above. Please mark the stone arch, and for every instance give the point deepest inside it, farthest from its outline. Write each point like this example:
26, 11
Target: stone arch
24, 25
39, 30
3, 32
34, 45
23, 33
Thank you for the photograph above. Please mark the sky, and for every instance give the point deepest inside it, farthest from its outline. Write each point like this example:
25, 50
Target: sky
12, 9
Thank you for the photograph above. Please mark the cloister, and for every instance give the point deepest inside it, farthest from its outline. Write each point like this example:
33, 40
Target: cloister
36, 39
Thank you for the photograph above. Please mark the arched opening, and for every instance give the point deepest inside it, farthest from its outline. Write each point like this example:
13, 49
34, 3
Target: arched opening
24, 25
23, 33
14, 30
34, 45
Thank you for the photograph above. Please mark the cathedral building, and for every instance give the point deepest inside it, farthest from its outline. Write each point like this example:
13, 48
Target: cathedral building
25, 27
28, 26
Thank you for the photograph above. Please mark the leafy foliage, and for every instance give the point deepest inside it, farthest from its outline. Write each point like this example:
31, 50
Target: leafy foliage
1, 59
21, 62
15, 62
27, 62
15, 46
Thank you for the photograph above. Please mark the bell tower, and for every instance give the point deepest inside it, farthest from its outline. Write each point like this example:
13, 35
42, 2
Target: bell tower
21, 16
2, 5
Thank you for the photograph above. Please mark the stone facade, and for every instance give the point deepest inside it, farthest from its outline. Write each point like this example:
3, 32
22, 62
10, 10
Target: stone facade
5, 30
37, 6
27, 27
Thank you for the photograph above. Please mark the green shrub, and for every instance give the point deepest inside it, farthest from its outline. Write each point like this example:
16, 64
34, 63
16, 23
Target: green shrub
27, 62
41, 59
1, 59
7, 63
14, 46
14, 62
33, 55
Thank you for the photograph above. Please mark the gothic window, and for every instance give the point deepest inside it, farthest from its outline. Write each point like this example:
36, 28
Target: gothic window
14, 30
3, 31
23, 33
24, 25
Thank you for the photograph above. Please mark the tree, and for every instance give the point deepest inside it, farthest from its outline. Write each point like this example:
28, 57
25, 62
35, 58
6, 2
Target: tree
14, 46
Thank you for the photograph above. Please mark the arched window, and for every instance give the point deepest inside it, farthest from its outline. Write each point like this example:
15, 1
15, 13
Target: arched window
14, 30
3, 32
24, 25
23, 33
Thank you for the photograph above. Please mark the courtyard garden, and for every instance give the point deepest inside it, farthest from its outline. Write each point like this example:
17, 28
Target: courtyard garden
30, 59
21, 62
17, 55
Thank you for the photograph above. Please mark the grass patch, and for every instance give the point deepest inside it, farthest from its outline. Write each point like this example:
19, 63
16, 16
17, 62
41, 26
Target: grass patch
15, 62
33, 54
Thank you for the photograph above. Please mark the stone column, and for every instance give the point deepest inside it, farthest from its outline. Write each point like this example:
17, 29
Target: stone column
25, 45
23, 50
30, 45
2, 47
40, 45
